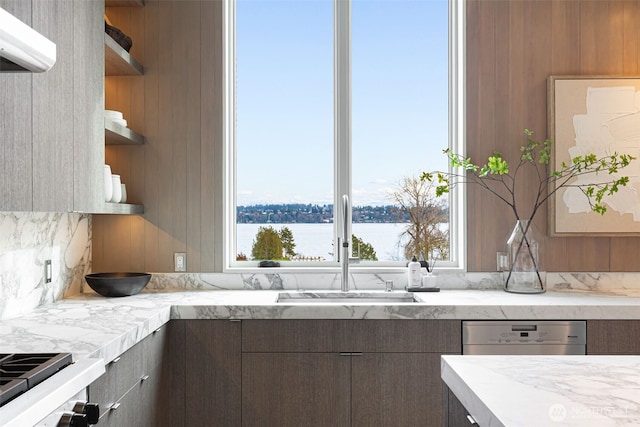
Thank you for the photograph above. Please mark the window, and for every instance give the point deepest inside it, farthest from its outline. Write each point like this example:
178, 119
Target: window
333, 97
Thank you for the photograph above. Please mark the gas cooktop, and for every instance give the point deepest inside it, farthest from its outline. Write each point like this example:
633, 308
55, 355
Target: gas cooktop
21, 372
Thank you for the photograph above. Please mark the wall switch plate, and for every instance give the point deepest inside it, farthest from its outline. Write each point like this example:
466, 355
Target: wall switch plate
502, 261
180, 261
47, 271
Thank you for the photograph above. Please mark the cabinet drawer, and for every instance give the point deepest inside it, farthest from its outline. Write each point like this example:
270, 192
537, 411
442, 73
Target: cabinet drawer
137, 407
152, 348
126, 371
423, 336
121, 374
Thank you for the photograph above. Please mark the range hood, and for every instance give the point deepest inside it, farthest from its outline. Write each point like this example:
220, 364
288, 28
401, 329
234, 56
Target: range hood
22, 48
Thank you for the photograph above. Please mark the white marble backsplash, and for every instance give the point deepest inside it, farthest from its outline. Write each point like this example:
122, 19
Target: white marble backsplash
27, 239
613, 283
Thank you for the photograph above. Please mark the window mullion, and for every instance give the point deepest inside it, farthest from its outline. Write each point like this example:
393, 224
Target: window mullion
342, 111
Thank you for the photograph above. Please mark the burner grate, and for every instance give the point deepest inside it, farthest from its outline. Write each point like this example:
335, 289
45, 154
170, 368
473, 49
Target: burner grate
20, 372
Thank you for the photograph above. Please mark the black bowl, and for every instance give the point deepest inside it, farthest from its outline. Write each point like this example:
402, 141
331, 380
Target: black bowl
117, 284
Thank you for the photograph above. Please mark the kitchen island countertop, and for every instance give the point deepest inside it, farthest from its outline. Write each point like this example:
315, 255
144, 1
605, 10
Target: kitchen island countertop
540, 391
88, 325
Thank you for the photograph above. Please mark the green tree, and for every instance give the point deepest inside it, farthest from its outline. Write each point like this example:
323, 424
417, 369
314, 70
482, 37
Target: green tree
288, 244
362, 249
267, 244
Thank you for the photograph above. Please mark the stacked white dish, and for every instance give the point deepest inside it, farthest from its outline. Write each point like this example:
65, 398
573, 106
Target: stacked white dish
114, 117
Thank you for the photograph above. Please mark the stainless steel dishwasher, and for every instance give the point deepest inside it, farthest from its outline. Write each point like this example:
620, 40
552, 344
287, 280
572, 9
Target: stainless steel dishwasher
522, 337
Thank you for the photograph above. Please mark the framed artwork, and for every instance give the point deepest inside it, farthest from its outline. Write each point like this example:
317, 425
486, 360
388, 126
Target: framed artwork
600, 115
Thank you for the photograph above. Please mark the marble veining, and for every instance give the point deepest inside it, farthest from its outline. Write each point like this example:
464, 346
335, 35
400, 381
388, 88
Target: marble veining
89, 325
614, 283
538, 391
27, 239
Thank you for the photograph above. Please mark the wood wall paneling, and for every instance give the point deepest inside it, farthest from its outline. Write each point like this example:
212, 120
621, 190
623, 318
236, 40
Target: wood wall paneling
512, 48
177, 106
152, 169
521, 43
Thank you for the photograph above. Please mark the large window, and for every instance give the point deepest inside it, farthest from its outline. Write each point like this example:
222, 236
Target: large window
327, 98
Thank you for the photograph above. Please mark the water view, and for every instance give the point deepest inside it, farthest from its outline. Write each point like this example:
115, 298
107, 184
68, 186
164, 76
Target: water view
316, 240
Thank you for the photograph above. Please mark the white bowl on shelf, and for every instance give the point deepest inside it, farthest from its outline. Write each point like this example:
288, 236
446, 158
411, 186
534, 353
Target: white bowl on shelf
120, 122
112, 114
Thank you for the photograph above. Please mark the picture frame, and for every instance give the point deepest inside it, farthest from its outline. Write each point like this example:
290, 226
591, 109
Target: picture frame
601, 115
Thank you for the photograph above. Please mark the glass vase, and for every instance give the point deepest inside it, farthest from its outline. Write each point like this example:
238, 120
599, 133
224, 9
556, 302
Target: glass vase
524, 275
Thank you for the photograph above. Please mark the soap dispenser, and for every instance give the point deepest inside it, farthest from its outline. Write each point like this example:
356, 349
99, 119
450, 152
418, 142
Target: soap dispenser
413, 272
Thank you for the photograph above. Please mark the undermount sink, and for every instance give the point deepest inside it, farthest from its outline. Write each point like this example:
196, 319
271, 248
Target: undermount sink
310, 297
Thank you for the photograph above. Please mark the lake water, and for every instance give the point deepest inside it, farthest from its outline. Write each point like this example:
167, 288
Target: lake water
317, 239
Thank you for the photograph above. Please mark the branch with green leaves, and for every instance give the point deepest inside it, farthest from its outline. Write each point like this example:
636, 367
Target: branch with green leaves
498, 178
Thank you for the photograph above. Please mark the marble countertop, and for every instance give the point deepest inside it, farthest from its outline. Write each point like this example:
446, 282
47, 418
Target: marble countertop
89, 325
538, 391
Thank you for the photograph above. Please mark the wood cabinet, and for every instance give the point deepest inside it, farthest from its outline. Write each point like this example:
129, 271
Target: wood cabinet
456, 414
613, 337
133, 390
345, 372
52, 153
295, 389
212, 372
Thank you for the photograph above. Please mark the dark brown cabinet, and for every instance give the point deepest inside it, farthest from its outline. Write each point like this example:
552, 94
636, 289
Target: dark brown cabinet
132, 391
345, 372
295, 389
212, 372
613, 337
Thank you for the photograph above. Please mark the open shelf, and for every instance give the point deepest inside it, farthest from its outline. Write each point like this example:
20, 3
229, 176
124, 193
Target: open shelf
125, 3
117, 61
122, 208
115, 134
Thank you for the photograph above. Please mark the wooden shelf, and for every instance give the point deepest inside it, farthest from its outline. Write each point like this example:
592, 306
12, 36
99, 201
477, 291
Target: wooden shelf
117, 61
122, 209
115, 134
124, 3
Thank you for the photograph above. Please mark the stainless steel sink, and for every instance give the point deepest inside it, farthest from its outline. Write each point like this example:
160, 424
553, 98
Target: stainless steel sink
310, 297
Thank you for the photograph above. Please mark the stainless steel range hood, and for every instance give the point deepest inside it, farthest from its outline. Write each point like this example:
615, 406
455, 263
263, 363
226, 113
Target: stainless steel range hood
22, 48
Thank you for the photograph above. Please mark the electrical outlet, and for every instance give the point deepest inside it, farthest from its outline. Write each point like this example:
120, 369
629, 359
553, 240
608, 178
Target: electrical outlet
180, 261
47, 271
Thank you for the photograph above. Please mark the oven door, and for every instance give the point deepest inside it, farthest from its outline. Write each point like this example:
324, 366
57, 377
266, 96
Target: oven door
44, 404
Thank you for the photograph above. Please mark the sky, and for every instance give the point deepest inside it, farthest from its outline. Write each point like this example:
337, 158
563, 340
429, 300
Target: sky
284, 121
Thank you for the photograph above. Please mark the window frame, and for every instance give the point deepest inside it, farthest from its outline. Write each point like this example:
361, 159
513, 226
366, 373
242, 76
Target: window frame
342, 143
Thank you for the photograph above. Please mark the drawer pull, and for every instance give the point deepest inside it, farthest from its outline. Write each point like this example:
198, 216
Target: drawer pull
144, 378
116, 360
471, 420
114, 406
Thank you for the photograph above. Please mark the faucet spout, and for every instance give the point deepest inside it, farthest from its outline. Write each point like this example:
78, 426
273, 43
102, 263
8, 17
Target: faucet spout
346, 257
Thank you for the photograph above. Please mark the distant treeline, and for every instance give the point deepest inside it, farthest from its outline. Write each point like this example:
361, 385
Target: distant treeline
310, 213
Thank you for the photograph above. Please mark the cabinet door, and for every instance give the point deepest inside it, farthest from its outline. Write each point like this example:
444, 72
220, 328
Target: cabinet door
15, 128
52, 136
295, 389
613, 337
397, 389
212, 373
88, 107
53, 112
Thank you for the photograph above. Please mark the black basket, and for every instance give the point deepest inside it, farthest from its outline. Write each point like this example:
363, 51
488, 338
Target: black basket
121, 38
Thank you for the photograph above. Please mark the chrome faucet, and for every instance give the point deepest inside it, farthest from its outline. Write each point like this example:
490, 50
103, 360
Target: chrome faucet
346, 257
